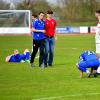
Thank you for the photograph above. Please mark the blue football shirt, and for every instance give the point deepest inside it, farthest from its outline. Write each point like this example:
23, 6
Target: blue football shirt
15, 58
38, 25
88, 55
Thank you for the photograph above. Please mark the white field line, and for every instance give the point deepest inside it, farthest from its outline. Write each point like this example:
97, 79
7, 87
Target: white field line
73, 95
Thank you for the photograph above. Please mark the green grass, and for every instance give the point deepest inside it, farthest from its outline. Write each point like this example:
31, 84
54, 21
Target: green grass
18, 81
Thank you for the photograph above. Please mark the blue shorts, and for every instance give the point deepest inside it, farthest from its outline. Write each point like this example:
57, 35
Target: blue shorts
88, 64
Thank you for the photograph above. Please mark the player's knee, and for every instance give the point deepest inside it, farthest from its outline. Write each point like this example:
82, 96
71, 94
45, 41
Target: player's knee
26, 50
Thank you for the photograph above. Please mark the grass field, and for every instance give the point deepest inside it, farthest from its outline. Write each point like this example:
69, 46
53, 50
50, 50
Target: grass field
18, 81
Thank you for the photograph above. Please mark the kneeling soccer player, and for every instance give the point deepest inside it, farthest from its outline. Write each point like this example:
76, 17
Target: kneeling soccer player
16, 57
88, 59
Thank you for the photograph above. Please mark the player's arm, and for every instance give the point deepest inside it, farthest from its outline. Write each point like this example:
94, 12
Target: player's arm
81, 74
33, 29
55, 35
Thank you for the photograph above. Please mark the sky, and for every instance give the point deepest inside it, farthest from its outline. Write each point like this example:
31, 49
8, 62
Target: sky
52, 1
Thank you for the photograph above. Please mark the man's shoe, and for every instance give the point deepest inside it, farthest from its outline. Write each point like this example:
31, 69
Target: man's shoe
45, 64
50, 65
32, 65
42, 65
95, 73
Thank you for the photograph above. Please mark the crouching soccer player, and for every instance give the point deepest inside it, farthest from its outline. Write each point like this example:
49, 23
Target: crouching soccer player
16, 57
88, 59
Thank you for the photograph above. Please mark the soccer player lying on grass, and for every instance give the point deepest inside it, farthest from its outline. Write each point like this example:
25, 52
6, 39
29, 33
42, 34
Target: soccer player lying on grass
17, 57
88, 59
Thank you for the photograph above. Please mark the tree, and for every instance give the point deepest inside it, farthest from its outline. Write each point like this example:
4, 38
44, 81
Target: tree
34, 5
78, 10
3, 5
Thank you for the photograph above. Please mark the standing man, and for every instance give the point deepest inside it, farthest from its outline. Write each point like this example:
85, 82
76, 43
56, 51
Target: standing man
34, 17
97, 36
50, 25
38, 39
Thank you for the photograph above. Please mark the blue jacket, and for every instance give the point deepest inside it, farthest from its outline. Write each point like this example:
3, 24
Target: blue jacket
38, 25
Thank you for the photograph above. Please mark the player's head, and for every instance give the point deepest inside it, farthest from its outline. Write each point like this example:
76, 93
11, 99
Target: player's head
16, 52
97, 13
41, 15
49, 13
34, 16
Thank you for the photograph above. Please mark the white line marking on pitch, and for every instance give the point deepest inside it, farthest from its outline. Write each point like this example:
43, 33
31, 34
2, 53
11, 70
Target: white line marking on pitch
74, 95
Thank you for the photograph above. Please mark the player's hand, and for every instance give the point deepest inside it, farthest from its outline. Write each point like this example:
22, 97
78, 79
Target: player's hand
32, 30
56, 38
43, 31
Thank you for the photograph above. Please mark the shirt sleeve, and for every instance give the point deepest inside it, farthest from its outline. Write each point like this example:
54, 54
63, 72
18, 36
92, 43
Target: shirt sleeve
55, 23
17, 56
34, 24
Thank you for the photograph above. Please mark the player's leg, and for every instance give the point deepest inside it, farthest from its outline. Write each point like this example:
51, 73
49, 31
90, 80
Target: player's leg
32, 50
22, 58
98, 50
95, 67
51, 52
26, 56
98, 70
81, 72
41, 56
46, 51
91, 71
93, 64
35, 49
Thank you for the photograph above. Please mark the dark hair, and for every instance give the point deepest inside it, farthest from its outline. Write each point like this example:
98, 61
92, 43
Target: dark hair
98, 11
40, 13
35, 16
49, 12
